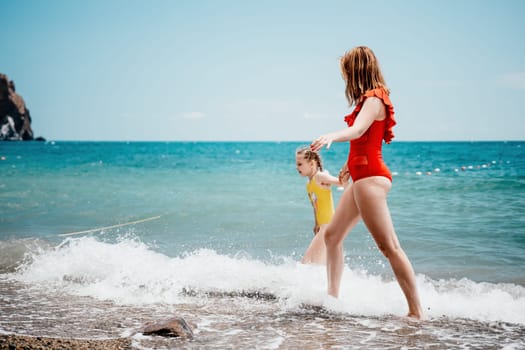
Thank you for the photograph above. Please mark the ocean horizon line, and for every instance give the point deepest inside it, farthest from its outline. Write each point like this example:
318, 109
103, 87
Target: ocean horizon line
265, 141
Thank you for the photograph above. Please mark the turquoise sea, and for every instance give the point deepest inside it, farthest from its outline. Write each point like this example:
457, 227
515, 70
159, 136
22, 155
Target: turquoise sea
99, 238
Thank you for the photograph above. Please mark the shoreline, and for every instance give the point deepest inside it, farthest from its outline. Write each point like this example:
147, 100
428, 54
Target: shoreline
26, 342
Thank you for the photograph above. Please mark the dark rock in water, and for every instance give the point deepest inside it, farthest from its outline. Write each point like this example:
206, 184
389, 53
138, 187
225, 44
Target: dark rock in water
15, 118
173, 327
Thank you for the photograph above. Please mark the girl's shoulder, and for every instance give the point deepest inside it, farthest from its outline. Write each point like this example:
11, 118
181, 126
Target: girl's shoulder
324, 179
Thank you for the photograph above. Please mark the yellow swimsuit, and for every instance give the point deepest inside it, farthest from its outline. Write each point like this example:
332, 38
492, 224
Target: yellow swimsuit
321, 199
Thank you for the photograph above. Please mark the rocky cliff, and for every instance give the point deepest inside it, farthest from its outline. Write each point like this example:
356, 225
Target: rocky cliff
15, 119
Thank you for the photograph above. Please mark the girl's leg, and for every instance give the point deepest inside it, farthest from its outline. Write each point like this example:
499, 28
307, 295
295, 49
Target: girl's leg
345, 218
316, 252
370, 196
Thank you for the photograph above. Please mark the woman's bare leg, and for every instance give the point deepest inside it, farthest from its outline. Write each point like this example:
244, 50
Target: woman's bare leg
316, 252
370, 196
345, 218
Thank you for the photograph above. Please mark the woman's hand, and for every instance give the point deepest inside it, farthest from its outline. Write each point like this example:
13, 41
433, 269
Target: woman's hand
323, 140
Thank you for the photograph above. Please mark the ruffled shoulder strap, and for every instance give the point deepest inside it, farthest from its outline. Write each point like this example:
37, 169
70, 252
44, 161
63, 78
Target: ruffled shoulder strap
389, 120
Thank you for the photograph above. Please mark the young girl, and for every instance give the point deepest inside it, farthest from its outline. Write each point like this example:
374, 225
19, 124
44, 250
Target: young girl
319, 191
369, 124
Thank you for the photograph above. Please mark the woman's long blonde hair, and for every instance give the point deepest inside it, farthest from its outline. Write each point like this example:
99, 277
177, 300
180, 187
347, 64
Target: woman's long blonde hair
361, 72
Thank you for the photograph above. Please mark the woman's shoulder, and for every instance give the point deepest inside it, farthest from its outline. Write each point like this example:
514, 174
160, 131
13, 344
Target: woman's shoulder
383, 95
380, 93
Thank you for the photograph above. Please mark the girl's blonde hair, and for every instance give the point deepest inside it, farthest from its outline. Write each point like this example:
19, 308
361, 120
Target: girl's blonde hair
311, 155
361, 72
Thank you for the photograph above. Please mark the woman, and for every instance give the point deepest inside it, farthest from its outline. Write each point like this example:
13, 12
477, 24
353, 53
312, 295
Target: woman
365, 198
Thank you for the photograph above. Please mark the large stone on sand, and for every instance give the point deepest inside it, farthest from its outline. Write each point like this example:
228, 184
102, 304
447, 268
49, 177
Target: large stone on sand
173, 327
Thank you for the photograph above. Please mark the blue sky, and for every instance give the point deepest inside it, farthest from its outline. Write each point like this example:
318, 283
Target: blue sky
262, 70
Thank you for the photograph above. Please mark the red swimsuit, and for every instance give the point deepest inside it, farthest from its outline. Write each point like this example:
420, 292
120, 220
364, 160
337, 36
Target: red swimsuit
365, 158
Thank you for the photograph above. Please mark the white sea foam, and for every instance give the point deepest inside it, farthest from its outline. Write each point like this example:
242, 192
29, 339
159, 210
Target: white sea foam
130, 272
